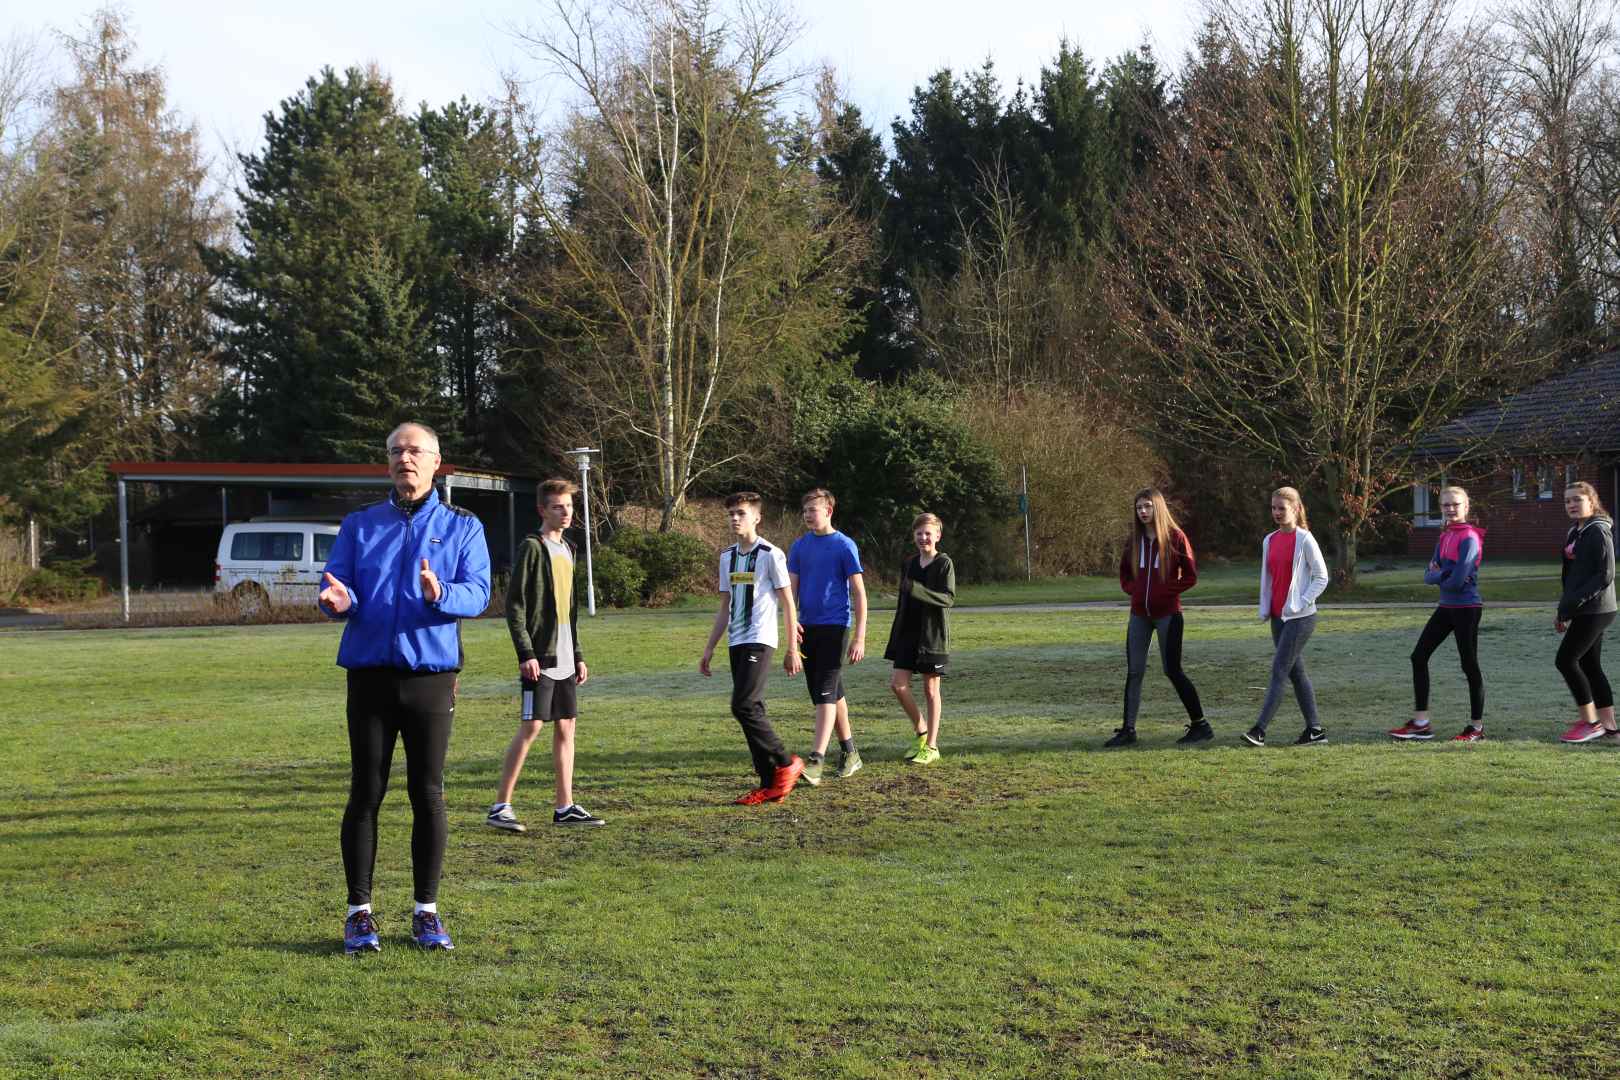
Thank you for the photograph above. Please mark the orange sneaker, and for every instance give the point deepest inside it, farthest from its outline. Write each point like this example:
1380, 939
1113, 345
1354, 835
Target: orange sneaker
1469, 734
786, 776
752, 798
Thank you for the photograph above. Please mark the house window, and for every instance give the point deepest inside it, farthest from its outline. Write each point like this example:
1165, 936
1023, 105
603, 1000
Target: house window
1518, 482
1426, 504
1544, 481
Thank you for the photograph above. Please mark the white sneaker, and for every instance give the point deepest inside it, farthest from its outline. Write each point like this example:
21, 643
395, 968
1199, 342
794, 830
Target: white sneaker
501, 817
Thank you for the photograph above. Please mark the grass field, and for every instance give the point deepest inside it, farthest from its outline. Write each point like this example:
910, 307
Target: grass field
1030, 906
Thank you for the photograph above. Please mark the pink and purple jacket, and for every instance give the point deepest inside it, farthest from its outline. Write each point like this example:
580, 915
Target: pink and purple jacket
1455, 568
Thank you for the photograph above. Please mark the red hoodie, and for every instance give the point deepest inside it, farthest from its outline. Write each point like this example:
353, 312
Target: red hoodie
1152, 596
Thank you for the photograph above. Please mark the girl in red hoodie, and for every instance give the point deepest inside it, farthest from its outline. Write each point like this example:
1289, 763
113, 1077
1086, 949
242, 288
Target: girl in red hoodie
1155, 569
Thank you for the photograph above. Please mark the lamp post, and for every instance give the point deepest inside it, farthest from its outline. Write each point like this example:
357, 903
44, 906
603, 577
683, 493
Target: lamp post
582, 458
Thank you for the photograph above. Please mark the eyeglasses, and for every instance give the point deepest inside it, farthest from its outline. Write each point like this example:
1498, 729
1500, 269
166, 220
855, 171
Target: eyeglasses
397, 452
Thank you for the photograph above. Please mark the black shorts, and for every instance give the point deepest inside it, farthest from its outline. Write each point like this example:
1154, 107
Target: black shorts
823, 651
907, 656
549, 699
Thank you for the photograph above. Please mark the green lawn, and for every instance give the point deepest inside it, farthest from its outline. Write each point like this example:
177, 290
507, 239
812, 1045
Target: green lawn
1030, 906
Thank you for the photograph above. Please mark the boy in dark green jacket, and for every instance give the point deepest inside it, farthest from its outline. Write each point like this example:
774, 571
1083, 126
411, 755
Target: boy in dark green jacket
542, 613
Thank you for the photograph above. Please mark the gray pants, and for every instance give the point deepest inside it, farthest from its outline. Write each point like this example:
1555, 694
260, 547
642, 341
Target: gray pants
1288, 665
1137, 638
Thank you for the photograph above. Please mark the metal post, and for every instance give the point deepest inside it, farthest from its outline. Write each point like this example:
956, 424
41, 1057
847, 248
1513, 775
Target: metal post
1023, 504
582, 458
123, 545
448, 501
511, 528
224, 507
33, 543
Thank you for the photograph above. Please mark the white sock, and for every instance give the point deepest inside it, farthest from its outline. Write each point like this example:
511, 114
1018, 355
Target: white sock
434, 908
358, 907
560, 809
498, 807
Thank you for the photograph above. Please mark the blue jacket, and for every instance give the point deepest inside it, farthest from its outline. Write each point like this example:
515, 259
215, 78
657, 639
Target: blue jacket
378, 557
1458, 553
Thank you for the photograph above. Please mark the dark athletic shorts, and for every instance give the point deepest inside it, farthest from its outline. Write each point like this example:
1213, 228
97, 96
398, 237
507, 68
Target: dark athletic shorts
905, 657
549, 699
823, 651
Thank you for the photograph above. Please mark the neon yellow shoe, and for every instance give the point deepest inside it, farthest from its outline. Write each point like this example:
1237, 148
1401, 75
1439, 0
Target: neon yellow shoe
917, 747
926, 756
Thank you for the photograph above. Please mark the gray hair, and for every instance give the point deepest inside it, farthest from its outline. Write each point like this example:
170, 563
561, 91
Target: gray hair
388, 444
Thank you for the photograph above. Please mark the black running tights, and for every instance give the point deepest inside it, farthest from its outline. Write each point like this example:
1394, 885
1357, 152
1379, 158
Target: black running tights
417, 708
1580, 660
1464, 623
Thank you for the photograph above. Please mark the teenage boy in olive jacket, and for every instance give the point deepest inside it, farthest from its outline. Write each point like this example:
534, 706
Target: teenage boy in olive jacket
542, 612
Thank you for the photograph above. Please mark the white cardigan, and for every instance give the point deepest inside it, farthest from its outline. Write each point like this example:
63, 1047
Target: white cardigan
1310, 577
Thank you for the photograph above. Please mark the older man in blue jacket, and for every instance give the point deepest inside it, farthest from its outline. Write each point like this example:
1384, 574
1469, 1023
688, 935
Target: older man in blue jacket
402, 574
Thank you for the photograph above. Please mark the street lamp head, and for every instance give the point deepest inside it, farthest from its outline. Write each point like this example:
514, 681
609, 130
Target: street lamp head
582, 457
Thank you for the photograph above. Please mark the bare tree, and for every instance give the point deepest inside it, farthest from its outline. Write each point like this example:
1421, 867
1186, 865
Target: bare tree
1312, 279
693, 244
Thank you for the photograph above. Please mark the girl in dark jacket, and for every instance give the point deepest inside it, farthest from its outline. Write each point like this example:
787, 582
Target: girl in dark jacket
1585, 611
1156, 567
919, 641
1455, 568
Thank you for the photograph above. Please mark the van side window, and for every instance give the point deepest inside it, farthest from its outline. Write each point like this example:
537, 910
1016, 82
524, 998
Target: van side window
268, 546
323, 546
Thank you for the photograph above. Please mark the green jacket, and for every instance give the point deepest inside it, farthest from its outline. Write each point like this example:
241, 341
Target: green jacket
925, 594
530, 604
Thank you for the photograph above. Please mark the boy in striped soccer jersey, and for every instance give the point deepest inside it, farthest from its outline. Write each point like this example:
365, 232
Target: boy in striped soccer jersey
754, 587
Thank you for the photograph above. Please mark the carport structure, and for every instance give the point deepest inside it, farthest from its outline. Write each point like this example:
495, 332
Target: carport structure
226, 474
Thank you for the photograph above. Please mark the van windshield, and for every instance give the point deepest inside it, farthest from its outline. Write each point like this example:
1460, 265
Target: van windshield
268, 546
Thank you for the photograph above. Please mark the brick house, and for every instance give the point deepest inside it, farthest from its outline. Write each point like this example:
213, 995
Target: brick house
1516, 457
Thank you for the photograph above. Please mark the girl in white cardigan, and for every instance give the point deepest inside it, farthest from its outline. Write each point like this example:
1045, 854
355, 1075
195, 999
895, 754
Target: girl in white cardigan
1292, 575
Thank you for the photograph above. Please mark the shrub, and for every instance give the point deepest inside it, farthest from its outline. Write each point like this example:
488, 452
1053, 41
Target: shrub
619, 579
673, 563
60, 583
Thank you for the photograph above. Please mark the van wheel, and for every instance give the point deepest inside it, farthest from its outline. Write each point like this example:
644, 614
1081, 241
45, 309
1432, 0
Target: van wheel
251, 599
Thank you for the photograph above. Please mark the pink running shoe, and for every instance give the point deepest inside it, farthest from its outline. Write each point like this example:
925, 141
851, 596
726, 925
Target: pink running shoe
1468, 734
1410, 730
1582, 732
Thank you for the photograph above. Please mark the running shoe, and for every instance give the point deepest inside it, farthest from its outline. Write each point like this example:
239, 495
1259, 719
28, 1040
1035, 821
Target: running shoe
575, 815
848, 764
428, 932
1198, 731
360, 934
918, 746
812, 773
928, 756
785, 779
1468, 734
1410, 730
501, 817
753, 798
1582, 732
1123, 736
1255, 736
1311, 736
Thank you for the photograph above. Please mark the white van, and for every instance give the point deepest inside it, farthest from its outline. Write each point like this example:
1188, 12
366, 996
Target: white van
272, 562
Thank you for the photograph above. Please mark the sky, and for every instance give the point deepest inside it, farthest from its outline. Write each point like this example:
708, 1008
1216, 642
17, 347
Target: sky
227, 68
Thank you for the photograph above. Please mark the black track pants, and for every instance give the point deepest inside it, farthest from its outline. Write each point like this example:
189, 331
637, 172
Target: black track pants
1137, 636
750, 667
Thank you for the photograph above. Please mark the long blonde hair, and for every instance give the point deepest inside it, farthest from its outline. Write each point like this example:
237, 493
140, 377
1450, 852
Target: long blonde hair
1292, 497
1164, 527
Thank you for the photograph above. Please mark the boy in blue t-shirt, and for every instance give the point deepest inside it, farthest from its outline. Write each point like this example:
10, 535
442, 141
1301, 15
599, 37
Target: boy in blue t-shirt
825, 570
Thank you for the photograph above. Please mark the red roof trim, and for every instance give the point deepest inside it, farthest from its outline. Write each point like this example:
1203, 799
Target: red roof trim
226, 469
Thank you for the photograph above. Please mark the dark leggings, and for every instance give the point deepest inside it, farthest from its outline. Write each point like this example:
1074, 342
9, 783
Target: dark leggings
750, 666
1464, 623
1580, 660
1137, 637
417, 707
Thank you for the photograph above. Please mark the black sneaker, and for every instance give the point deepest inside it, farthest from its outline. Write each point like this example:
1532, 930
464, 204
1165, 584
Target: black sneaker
1255, 736
1122, 737
575, 815
1311, 736
1198, 731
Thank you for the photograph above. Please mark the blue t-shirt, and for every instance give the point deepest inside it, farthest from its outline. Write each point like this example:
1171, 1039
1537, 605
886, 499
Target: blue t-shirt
824, 564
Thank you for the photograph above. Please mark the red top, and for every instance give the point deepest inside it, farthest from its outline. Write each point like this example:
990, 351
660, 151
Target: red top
1280, 563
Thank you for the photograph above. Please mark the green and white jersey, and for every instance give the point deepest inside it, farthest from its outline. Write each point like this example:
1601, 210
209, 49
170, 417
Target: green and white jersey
751, 578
